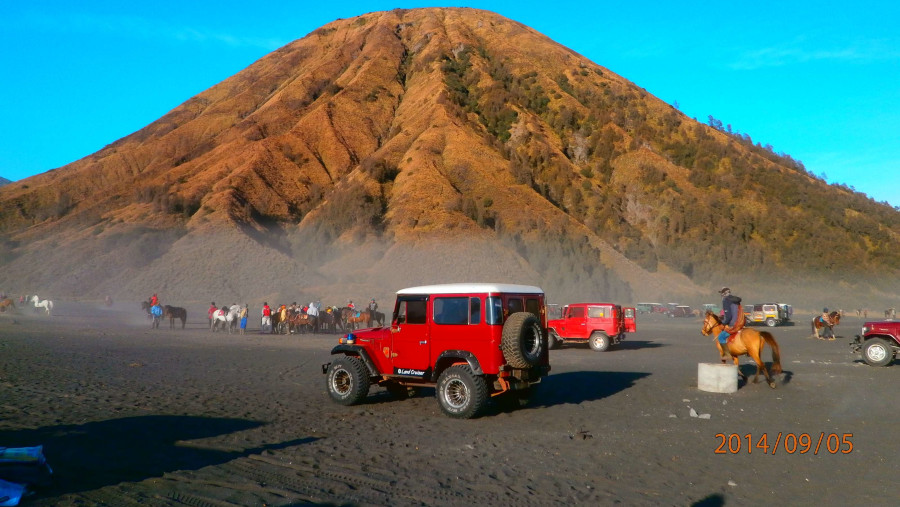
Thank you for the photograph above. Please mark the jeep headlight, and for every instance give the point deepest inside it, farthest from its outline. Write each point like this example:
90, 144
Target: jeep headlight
864, 330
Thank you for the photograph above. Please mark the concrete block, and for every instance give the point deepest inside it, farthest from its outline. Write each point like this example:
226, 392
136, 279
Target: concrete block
717, 377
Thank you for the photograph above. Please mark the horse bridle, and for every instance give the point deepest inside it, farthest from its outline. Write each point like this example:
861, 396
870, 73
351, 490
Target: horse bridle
708, 325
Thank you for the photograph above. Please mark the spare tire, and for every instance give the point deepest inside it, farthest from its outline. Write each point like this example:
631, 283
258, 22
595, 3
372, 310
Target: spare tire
522, 342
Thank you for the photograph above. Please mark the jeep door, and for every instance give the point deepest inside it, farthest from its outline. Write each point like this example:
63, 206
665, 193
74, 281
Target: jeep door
410, 339
575, 324
630, 319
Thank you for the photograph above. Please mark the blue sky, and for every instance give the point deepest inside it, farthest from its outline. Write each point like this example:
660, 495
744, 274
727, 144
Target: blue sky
819, 80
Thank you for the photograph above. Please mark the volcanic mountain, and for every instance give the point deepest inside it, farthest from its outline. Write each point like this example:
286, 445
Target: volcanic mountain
437, 145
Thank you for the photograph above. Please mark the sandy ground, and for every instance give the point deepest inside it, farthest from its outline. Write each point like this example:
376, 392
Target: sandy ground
131, 415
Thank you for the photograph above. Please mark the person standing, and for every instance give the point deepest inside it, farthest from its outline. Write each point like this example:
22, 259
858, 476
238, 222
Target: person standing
313, 313
211, 313
266, 318
243, 315
157, 312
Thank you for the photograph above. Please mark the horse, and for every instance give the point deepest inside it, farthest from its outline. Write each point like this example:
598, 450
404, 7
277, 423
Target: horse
330, 321
350, 317
748, 341
6, 303
174, 312
280, 320
374, 316
46, 304
222, 315
818, 323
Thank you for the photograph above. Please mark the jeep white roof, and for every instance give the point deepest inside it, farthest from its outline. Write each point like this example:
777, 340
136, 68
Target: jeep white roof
466, 288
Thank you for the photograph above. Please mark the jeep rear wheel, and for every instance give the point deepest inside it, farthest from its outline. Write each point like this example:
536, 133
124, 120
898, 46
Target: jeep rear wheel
348, 380
877, 352
599, 341
522, 343
461, 393
770, 322
553, 340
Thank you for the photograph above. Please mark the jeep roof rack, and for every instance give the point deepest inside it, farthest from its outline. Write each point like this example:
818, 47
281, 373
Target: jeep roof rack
462, 288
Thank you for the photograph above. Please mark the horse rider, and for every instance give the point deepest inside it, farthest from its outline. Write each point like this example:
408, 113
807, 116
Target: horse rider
313, 313
350, 304
154, 300
825, 318
731, 305
373, 306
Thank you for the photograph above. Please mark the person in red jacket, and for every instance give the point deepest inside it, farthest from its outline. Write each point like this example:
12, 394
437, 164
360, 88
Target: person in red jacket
266, 318
154, 300
212, 310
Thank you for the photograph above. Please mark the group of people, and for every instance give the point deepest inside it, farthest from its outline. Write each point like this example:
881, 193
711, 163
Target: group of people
314, 310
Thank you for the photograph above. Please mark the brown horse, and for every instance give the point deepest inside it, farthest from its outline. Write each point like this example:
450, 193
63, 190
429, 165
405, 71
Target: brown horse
818, 323
748, 341
6, 303
280, 320
350, 318
174, 312
373, 316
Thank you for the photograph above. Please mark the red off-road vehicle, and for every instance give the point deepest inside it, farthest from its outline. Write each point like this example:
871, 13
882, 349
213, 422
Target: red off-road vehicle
879, 342
599, 324
469, 341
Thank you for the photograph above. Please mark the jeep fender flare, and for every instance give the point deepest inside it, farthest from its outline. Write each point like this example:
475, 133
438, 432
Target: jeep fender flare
449, 357
356, 350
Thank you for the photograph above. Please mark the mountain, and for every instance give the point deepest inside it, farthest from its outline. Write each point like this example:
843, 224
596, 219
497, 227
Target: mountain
436, 145
4, 181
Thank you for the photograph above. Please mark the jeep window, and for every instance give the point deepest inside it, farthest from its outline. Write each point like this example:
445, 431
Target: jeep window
451, 310
494, 311
596, 312
514, 305
474, 311
411, 311
576, 312
533, 306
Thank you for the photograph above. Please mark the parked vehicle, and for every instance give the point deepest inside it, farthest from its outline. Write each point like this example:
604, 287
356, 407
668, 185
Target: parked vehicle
710, 307
681, 311
879, 342
770, 314
600, 325
469, 341
650, 307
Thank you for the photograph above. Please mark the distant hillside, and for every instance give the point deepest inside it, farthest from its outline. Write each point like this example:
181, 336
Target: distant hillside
4, 181
436, 145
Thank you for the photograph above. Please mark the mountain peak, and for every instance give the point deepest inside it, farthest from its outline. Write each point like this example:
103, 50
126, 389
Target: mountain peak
429, 145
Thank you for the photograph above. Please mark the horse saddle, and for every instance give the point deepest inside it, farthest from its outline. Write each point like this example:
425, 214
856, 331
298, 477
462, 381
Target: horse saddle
732, 336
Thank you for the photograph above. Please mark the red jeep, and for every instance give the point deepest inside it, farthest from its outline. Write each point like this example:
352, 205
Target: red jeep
598, 324
879, 342
469, 341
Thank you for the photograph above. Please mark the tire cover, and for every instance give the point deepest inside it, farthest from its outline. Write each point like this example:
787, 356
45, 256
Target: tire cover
522, 342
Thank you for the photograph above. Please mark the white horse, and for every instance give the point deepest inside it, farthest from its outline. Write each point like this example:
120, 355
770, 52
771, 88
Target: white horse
226, 316
46, 304
232, 318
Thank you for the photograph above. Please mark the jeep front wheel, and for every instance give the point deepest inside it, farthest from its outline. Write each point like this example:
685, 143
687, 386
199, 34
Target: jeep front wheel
461, 393
348, 380
553, 340
522, 343
770, 322
599, 341
877, 352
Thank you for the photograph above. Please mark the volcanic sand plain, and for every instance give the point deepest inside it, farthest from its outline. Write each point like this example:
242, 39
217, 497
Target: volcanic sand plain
129, 415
